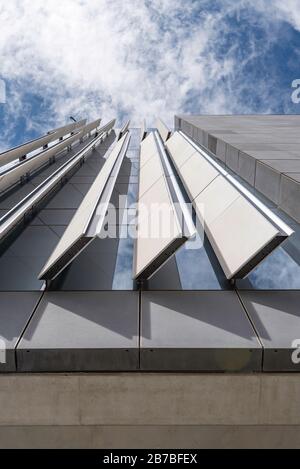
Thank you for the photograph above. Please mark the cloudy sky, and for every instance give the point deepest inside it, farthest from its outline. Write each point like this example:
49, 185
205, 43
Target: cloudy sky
142, 58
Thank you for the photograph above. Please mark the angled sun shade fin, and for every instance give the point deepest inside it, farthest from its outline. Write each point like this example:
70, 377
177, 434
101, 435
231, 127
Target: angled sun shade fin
160, 230
21, 151
124, 129
108, 127
88, 220
67, 129
143, 130
241, 230
163, 130
183, 212
92, 126
9, 221
13, 175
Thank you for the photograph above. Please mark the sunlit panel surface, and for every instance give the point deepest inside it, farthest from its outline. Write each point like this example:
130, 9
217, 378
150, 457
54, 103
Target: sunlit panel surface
107, 264
239, 231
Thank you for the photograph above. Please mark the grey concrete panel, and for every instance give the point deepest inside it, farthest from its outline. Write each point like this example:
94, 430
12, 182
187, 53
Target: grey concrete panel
205, 139
195, 132
212, 144
274, 155
247, 168
150, 436
221, 150
295, 176
290, 195
199, 135
232, 158
284, 165
15, 311
197, 331
276, 318
82, 331
267, 181
268, 139
187, 128
256, 147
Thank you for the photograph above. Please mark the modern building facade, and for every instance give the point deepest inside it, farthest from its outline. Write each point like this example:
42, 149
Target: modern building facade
150, 285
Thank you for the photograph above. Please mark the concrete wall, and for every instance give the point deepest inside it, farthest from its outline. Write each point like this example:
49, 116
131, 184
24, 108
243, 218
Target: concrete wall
150, 410
262, 150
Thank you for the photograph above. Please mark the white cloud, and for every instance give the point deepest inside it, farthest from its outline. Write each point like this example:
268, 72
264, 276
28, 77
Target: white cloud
116, 57
109, 56
289, 11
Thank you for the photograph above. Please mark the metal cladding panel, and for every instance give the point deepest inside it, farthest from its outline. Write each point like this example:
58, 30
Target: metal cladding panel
276, 318
267, 181
9, 220
175, 142
16, 309
156, 213
23, 150
197, 174
239, 233
209, 205
163, 130
12, 176
82, 331
159, 230
77, 229
290, 194
151, 172
197, 331
178, 148
148, 149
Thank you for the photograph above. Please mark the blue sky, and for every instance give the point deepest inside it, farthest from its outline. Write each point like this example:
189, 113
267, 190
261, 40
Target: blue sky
143, 58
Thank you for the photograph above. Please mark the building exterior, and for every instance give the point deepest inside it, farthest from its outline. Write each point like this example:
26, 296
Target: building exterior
150, 285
